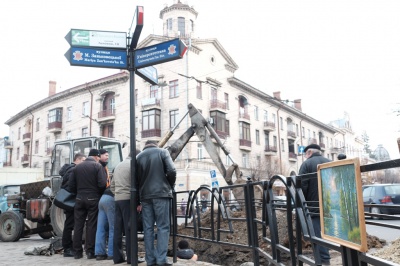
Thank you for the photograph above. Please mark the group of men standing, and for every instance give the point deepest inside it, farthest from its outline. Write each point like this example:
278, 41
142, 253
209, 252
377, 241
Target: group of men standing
103, 203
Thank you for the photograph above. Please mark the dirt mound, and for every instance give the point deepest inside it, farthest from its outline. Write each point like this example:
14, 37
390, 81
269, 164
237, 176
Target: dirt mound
225, 254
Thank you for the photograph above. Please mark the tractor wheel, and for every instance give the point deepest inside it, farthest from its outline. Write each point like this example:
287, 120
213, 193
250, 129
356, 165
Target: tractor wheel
11, 226
45, 235
57, 219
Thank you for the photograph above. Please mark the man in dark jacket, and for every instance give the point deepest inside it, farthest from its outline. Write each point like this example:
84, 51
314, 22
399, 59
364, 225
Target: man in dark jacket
65, 173
156, 174
310, 191
88, 182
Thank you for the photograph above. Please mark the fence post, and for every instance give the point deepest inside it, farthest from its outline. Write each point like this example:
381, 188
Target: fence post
250, 217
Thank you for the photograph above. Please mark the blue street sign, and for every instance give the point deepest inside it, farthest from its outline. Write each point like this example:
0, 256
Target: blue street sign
213, 174
149, 74
97, 57
301, 149
159, 53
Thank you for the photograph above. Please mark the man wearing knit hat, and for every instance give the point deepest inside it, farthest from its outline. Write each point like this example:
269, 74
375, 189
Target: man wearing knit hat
88, 182
310, 191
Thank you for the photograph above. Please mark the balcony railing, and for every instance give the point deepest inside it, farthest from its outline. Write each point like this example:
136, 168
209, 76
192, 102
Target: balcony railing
107, 113
149, 102
292, 155
26, 135
221, 134
244, 115
217, 104
291, 134
151, 133
55, 126
269, 124
245, 142
25, 158
8, 144
269, 148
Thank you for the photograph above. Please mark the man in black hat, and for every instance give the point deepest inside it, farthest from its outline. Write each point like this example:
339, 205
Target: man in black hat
310, 191
88, 182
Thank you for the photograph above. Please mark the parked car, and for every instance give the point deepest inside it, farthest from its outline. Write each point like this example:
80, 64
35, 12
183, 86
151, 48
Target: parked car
387, 194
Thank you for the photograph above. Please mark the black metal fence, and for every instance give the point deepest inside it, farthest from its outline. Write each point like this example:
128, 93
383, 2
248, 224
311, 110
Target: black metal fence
261, 216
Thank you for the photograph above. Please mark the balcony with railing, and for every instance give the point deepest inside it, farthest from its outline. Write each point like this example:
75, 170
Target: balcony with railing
269, 126
270, 150
26, 137
106, 115
245, 144
7, 164
150, 133
217, 105
291, 135
25, 159
151, 103
292, 157
54, 127
244, 116
8, 144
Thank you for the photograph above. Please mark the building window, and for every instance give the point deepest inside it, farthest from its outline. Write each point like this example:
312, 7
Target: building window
303, 132
154, 91
36, 147
282, 144
297, 130
108, 105
199, 151
85, 109
258, 137
47, 169
199, 90
281, 122
107, 131
169, 24
18, 154
226, 98
85, 132
69, 113
19, 133
69, 135
274, 119
309, 133
136, 97
173, 89
47, 145
275, 140
55, 115
173, 118
220, 124
245, 160
214, 94
265, 116
256, 112
181, 26
244, 131
151, 119
37, 124
191, 25
266, 138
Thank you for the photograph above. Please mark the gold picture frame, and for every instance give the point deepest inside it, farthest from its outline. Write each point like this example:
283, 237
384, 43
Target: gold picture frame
341, 203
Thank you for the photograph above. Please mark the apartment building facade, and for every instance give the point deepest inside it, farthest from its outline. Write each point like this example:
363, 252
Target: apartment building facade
263, 132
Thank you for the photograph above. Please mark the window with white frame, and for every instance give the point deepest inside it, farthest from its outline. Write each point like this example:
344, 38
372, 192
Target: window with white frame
38, 124
245, 160
173, 118
69, 113
85, 109
181, 26
199, 90
85, 132
283, 144
257, 137
173, 89
69, 135
169, 24
256, 112
154, 91
265, 116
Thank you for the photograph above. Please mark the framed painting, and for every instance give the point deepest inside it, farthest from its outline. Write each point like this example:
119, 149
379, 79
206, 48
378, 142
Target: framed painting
341, 203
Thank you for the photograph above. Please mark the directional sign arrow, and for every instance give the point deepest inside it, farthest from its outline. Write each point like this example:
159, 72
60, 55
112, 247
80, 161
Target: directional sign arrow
79, 39
102, 39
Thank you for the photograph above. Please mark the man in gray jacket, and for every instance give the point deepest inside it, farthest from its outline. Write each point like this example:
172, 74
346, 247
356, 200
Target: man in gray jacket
121, 187
156, 174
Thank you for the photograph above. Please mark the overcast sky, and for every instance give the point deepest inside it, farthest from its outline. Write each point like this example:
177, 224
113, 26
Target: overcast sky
337, 56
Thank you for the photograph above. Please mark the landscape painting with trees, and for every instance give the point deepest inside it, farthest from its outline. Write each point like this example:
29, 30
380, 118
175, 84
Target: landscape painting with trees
341, 203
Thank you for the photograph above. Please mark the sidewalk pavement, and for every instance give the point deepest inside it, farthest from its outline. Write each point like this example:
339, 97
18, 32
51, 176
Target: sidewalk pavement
12, 253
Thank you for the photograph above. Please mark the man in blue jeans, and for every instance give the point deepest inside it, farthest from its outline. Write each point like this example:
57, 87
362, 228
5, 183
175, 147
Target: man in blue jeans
310, 191
156, 175
105, 219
